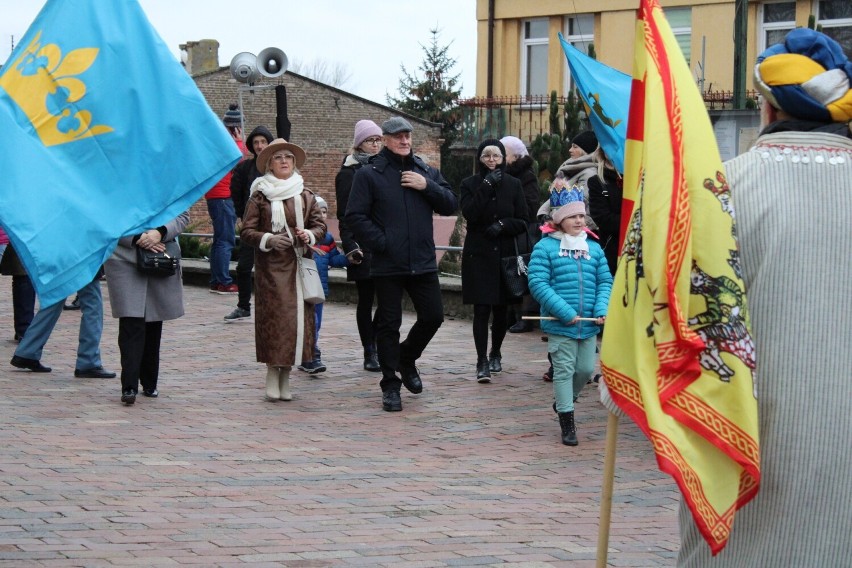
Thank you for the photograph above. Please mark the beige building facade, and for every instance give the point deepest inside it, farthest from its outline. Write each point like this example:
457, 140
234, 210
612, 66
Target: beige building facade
527, 59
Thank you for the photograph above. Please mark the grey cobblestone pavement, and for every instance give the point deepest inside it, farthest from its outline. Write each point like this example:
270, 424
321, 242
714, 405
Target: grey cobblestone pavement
209, 474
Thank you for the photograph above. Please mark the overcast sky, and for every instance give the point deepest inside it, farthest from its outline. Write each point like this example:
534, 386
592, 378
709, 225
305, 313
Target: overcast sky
372, 42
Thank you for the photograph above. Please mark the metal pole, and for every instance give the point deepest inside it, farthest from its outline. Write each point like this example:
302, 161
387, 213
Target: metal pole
740, 35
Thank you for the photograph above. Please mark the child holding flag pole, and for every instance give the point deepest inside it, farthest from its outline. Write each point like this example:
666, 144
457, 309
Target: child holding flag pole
570, 279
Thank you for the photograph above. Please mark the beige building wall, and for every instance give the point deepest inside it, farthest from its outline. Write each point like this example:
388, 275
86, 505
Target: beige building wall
614, 34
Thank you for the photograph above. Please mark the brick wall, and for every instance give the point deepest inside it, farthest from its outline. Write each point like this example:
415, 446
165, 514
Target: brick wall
323, 119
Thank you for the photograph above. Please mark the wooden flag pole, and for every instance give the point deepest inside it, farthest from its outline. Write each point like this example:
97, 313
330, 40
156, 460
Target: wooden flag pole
606, 490
551, 318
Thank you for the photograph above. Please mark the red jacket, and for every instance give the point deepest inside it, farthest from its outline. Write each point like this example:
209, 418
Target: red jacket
222, 189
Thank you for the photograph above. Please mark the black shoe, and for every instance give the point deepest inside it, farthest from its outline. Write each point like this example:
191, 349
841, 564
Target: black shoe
483, 373
495, 363
411, 378
128, 396
522, 326
18, 338
75, 305
312, 367
32, 364
94, 373
151, 393
371, 361
391, 402
238, 314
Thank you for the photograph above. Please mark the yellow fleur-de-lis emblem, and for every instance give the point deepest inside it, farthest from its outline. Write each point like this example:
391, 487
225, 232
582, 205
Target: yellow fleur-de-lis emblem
45, 87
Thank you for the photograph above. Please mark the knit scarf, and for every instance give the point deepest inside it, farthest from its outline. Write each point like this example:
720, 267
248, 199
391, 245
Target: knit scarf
569, 245
357, 158
276, 191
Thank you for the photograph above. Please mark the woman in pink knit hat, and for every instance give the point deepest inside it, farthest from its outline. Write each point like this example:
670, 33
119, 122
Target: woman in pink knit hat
365, 144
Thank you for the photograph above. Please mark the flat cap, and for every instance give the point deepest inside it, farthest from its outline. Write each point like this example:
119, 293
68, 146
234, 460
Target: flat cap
396, 124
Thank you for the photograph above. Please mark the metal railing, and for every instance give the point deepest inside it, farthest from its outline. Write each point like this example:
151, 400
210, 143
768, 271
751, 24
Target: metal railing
528, 116
210, 236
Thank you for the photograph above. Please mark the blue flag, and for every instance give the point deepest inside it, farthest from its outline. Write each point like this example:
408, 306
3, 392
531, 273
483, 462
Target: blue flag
606, 92
104, 135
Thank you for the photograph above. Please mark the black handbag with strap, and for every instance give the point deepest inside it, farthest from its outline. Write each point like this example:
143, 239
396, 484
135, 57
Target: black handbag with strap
159, 264
514, 271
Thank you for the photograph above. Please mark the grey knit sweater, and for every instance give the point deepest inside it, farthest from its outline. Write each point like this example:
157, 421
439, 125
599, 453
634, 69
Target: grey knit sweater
792, 194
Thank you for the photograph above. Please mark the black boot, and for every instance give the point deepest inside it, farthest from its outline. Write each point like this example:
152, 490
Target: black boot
569, 431
495, 362
483, 372
371, 360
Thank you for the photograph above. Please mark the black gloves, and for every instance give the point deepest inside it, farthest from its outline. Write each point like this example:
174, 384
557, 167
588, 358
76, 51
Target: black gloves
493, 178
494, 230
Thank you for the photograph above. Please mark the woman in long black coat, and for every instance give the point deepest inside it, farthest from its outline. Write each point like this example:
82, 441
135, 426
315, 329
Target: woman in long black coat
493, 205
366, 143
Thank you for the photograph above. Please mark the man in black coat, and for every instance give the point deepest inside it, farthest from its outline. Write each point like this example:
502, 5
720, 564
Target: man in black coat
242, 177
390, 210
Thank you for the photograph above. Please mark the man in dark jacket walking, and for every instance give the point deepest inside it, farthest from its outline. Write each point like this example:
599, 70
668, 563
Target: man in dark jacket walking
390, 210
243, 176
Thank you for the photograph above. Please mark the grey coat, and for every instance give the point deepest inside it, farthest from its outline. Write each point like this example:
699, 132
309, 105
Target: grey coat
135, 295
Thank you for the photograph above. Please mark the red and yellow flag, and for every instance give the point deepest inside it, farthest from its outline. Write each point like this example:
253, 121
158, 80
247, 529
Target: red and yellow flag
677, 354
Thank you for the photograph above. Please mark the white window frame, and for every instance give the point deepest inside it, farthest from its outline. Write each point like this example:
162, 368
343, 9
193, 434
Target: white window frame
771, 26
525, 43
683, 30
836, 23
587, 36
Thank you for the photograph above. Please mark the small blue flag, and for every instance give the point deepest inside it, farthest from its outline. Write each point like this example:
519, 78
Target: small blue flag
104, 135
606, 92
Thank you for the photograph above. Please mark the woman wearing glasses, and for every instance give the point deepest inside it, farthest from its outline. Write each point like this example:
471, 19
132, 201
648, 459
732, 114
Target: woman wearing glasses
282, 221
366, 143
493, 205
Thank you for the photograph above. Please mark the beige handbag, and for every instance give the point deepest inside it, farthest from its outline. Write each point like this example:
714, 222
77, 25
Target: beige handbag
308, 275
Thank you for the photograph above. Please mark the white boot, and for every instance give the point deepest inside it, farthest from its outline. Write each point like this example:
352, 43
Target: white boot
284, 383
272, 391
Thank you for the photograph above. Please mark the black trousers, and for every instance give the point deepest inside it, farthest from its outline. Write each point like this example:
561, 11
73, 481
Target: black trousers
425, 293
23, 303
139, 345
364, 313
481, 314
245, 264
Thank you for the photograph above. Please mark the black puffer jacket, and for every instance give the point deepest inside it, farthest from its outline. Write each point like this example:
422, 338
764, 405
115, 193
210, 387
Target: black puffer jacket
605, 208
394, 222
246, 172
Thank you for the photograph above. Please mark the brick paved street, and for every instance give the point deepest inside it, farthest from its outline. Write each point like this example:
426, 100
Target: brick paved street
211, 475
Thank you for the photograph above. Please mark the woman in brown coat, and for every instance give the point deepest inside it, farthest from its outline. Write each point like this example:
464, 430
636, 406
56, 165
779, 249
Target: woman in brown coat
282, 221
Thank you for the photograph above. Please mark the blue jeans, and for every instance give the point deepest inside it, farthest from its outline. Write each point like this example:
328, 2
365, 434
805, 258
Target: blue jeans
224, 237
318, 322
573, 365
91, 327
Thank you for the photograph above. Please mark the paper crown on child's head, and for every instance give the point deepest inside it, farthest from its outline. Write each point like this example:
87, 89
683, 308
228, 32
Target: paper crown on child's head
564, 196
566, 203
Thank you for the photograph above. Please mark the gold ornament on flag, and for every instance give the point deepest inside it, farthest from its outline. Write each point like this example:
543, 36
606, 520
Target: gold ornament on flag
45, 86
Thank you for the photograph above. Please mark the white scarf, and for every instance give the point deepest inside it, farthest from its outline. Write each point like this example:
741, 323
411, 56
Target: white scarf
572, 244
276, 191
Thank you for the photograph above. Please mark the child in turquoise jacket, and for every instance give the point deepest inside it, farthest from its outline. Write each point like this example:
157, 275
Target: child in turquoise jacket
570, 279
